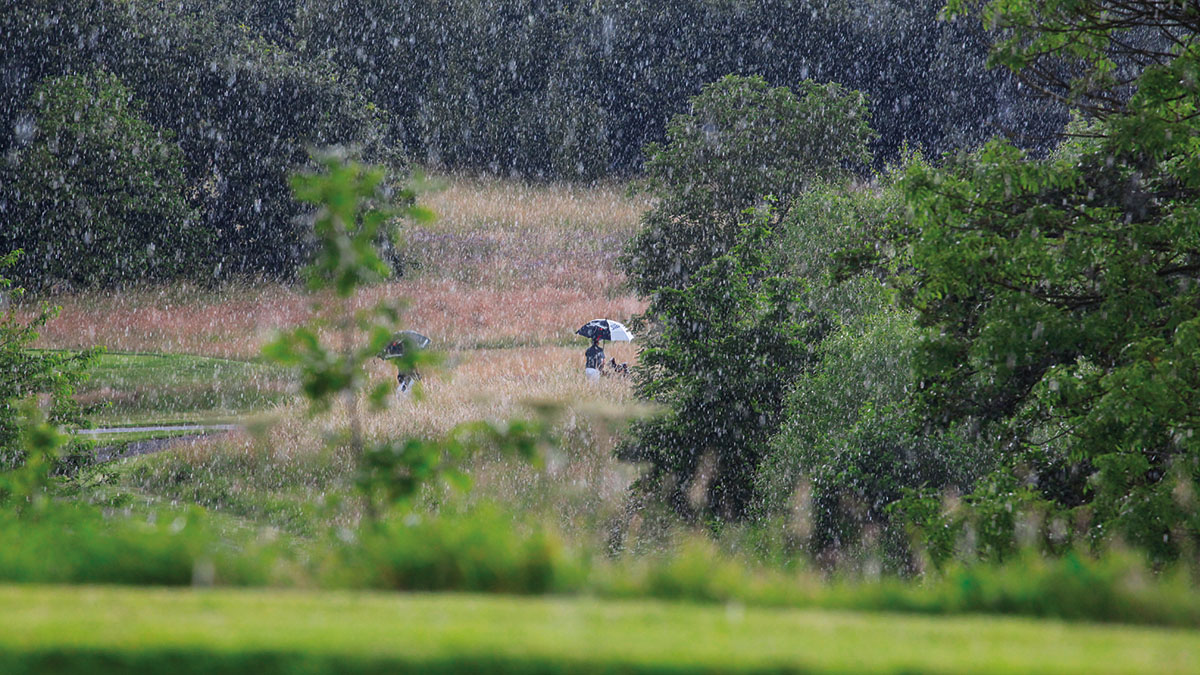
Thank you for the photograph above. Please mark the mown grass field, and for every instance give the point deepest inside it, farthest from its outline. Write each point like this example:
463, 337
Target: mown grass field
98, 630
136, 388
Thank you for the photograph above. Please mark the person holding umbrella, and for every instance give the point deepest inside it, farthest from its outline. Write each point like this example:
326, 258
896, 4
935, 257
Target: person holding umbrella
401, 342
597, 330
594, 360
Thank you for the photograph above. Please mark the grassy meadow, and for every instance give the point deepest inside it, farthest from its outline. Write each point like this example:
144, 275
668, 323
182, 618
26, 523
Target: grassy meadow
500, 281
132, 388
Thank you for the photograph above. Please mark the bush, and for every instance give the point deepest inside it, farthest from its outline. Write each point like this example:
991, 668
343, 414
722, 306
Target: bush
850, 437
1115, 587
483, 551
79, 544
25, 372
99, 192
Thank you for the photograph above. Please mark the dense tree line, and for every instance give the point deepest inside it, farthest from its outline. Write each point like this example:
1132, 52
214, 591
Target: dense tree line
571, 88
997, 348
230, 113
539, 88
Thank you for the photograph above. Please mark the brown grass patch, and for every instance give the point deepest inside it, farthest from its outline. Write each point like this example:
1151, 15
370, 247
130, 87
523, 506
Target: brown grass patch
507, 275
579, 485
462, 203
488, 384
502, 234
507, 264
237, 323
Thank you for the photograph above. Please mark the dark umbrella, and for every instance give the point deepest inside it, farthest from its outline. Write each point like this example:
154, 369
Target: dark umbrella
605, 329
400, 342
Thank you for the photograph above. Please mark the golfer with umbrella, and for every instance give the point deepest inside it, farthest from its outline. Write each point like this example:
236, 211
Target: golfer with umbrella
597, 330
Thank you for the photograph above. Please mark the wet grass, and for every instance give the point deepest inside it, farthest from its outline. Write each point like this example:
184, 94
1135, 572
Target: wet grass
261, 489
97, 630
502, 290
140, 388
279, 475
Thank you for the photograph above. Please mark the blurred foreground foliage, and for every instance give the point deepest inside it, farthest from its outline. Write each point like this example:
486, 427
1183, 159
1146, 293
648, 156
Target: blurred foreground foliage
27, 377
493, 550
59, 534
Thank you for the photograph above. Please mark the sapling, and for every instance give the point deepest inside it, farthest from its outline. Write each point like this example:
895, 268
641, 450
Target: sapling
355, 211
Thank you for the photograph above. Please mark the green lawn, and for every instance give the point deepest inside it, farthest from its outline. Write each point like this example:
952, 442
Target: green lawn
107, 629
142, 388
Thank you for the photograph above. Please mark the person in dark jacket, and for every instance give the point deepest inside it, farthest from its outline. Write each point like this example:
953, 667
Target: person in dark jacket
594, 360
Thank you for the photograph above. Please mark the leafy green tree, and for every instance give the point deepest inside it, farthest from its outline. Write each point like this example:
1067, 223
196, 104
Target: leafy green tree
849, 443
244, 111
742, 142
1064, 291
733, 316
100, 193
1088, 54
730, 345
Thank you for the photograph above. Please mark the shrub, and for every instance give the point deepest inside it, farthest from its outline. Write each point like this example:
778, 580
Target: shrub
850, 437
482, 551
100, 196
25, 373
75, 543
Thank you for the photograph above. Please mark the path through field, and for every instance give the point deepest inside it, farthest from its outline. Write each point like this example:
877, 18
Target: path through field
105, 453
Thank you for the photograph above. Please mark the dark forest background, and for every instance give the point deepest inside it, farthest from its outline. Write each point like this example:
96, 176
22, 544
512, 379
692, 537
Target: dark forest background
230, 96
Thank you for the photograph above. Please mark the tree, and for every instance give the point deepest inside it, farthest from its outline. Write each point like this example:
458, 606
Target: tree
730, 345
572, 89
742, 142
1089, 54
850, 443
100, 194
243, 110
733, 325
1064, 292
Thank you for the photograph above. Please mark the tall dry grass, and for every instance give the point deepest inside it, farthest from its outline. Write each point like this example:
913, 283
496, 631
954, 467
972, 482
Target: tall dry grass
237, 322
579, 485
462, 203
505, 234
507, 264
